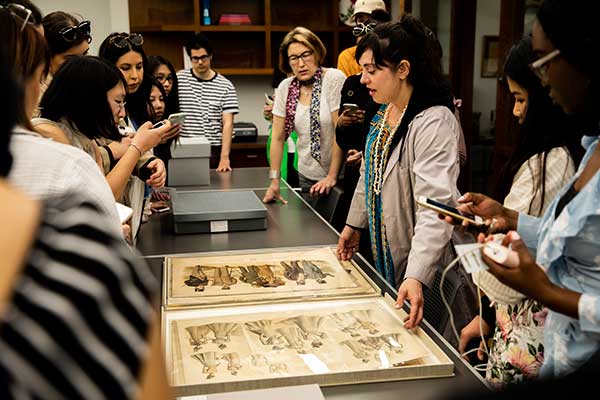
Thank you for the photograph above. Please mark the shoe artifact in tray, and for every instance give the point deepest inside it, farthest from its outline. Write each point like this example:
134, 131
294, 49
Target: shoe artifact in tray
266, 318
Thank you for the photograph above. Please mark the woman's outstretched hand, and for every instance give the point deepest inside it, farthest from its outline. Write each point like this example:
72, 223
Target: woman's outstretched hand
497, 218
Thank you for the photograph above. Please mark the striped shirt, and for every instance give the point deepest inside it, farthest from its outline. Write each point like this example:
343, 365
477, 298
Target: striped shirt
525, 197
204, 102
78, 320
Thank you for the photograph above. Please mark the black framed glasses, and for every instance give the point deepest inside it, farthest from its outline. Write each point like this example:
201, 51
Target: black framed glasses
362, 29
123, 40
203, 58
164, 78
73, 33
22, 12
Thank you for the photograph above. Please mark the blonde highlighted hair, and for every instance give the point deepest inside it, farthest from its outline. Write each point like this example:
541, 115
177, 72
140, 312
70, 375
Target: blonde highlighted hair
305, 37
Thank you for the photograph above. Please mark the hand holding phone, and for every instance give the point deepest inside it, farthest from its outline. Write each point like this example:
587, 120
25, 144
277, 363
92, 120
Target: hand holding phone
177, 118
158, 124
444, 209
269, 99
350, 108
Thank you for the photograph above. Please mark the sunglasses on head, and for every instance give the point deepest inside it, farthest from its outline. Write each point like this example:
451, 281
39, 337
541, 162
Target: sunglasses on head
22, 12
121, 40
81, 30
362, 29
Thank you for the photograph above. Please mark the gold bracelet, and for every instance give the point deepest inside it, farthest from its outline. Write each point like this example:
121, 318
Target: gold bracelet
135, 147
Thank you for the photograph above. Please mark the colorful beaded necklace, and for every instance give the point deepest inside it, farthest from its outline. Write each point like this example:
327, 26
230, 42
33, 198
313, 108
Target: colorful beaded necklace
377, 149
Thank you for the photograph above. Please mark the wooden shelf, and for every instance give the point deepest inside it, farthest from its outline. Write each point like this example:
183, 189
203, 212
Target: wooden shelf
244, 71
239, 49
287, 28
232, 28
163, 28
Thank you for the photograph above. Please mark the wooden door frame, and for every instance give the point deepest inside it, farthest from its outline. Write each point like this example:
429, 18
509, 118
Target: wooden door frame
507, 128
462, 55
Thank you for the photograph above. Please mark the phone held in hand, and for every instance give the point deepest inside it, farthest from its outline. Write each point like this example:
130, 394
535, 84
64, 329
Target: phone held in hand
158, 124
177, 118
269, 99
448, 210
351, 108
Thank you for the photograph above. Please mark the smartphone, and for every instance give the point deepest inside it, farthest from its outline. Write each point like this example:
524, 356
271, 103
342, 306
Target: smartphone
177, 118
269, 99
447, 210
351, 107
158, 124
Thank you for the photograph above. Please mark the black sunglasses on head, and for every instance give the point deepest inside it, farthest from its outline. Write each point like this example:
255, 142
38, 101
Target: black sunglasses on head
121, 40
81, 30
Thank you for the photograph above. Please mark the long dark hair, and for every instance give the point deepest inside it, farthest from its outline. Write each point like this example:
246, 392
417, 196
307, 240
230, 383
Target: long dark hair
77, 98
136, 102
53, 23
23, 52
545, 126
409, 39
172, 99
155, 83
11, 96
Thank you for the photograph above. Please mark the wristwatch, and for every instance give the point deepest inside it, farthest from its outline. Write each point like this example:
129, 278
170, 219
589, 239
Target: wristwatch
274, 174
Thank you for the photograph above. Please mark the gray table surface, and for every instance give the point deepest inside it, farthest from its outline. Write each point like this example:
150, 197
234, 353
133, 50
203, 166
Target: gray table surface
239, 178
291, 225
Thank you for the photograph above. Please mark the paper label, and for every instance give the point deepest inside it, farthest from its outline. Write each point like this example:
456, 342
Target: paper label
314, 363
218, 226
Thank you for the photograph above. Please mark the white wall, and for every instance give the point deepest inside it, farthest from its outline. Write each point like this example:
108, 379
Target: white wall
107, 16
484, 89
113, 16
251, 93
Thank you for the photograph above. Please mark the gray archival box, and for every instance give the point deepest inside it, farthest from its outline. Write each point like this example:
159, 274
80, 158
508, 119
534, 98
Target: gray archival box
189, 163
218, 211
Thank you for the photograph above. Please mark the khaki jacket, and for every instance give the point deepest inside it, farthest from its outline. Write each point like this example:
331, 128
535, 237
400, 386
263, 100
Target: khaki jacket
429, 166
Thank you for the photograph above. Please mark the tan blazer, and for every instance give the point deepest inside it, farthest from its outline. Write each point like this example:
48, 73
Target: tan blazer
429, 166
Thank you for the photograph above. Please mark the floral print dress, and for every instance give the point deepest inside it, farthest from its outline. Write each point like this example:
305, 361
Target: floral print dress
517, 351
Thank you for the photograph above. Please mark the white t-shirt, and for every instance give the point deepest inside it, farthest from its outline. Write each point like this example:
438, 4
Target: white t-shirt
331, 92
43, 168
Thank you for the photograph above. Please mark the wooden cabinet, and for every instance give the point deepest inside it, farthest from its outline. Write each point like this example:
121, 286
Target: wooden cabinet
250, 154
238, 49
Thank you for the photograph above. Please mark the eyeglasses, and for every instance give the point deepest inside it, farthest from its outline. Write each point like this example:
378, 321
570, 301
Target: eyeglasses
203, 58
304, 56
540, 66
22, 12
164, 78
81, 30
120, 40
362, 29
119, 103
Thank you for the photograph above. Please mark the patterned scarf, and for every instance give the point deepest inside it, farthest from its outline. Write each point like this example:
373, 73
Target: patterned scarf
379, 143
315, 107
